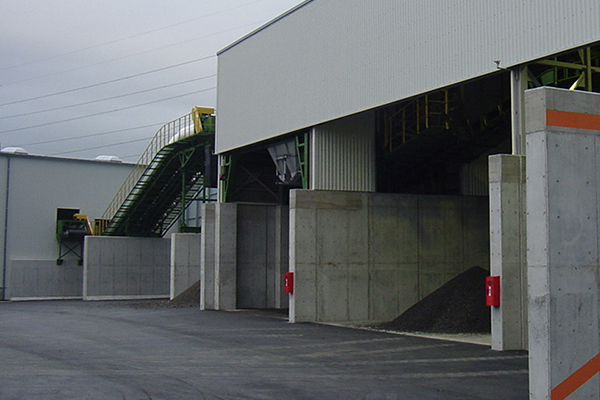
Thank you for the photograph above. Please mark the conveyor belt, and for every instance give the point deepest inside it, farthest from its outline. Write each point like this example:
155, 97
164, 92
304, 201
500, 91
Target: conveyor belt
158, 197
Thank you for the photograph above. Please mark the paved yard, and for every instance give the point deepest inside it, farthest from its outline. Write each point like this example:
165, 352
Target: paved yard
112, 350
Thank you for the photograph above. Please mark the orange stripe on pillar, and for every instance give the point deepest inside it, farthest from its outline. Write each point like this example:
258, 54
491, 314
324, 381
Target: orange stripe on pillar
568, 119
575, 381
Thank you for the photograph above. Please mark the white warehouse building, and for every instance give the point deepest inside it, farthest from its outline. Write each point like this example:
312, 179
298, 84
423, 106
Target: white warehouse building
378, 149
37, 192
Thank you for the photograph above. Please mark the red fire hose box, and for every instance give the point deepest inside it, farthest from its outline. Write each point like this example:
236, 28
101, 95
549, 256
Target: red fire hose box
492, 291
288, 283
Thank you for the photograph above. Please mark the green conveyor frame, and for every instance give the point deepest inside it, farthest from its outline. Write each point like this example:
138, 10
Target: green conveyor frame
160, 195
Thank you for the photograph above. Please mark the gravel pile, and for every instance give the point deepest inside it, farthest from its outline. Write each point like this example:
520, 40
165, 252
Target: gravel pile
457, 307
188, 298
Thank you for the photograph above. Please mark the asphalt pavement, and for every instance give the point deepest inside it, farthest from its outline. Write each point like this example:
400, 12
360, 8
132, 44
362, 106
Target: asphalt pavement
117, 350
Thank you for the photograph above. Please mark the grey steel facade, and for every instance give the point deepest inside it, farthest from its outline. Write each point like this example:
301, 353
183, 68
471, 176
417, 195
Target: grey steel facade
337, 148
331, 58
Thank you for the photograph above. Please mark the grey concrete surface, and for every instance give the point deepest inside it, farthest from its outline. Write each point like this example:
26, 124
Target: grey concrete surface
508, 250
371, 256
255, 235
207, 257
261, 246
185, 262
225, 264
116, 268
43, 279
563, 236
111, 350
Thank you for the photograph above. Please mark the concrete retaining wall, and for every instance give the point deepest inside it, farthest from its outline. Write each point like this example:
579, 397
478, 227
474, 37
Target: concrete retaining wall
43, 279
126, 268
260, 245
185, 262
244, 253
370, 256
563, 235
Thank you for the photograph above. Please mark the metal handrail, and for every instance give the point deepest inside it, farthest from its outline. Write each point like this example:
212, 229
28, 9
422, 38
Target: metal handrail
173, 131
416, 116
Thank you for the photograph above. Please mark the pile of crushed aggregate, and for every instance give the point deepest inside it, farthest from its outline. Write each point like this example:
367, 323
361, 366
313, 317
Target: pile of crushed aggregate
456, 307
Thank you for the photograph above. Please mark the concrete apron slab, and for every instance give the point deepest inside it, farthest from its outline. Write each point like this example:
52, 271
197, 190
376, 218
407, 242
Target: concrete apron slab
73, 350
471, 338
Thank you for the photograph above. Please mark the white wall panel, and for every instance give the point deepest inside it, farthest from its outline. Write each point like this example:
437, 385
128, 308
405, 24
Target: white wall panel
332, 58
32, 188
40, 185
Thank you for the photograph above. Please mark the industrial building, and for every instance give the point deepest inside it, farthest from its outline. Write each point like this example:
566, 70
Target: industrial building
369, 152
39, 194
375, 150
104, 229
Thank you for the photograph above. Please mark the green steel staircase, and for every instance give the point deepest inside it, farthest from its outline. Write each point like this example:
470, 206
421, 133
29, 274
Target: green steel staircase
167, 178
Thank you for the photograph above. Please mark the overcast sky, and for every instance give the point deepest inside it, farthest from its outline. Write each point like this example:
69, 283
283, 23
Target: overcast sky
131, 52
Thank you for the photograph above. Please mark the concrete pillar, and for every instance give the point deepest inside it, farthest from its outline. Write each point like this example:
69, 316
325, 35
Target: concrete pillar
508, 250
303, 260
563, 183
207, 258
225, 256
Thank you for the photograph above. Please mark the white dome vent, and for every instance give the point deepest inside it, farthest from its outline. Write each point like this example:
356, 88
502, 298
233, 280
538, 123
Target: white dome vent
14, 150
107, 158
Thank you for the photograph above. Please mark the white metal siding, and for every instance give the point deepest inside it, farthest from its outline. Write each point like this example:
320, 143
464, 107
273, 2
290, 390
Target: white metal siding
332, 58
40, 185
342, 154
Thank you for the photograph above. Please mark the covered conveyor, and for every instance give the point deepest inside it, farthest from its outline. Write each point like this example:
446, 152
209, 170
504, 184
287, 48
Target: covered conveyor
171, 173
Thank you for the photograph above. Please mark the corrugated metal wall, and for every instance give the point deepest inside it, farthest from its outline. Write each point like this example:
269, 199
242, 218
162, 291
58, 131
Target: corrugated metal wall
332, 58
342, 154
474, 178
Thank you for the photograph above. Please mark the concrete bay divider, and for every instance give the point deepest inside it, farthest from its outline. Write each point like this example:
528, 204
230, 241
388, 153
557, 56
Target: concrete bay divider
563, 236
44, 280
361, 256
118, 268
244, 255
